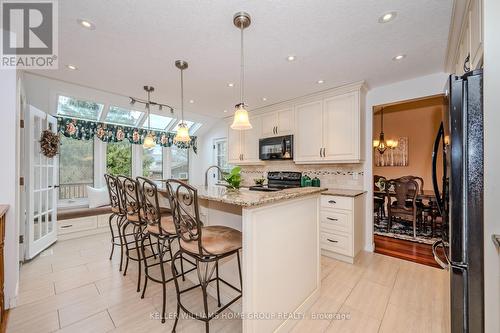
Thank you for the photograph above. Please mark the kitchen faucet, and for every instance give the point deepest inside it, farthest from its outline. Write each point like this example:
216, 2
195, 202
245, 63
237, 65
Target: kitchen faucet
208, 169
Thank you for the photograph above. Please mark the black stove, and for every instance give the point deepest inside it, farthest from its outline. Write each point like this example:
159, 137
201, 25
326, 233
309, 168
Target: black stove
279, 180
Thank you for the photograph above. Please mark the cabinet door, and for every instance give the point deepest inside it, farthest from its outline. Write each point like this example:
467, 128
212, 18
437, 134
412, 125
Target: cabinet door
269, 124
233, 146
341, 128
285, 124
250, 142
476, 32
308, 140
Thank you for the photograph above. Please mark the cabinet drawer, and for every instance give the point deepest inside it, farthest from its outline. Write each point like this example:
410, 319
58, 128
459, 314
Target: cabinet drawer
339, 220
336, 242
79, 224
332, 201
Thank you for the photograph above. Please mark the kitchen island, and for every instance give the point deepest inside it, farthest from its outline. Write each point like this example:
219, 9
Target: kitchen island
280, 254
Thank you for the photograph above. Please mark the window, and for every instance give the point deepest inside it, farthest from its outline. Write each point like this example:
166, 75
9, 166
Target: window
76, 168
179, 163
158, 122
119, 158
72, 107
220, 155
121, 116
152, 163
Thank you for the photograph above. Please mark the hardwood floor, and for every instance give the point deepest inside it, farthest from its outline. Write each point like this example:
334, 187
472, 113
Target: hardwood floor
73, 287
402, 249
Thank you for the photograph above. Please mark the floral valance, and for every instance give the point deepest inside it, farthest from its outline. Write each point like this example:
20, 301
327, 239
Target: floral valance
86, 130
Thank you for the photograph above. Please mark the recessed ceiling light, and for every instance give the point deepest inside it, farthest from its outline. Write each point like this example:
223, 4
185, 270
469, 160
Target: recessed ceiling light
399, 57
320, 81
264, 99
72, 67
290, 58
225, 111
230, 84
387, 17
86, 24
191, 101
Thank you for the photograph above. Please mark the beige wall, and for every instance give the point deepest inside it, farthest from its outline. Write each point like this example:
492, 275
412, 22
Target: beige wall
420, 125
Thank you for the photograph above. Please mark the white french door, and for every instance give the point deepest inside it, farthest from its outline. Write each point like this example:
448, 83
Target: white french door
41, 208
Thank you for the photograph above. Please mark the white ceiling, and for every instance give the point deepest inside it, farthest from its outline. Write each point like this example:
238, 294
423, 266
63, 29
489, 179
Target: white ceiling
339, 41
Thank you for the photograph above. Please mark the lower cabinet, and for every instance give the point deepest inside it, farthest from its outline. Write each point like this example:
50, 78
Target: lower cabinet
83, 226
243, 146
342, 226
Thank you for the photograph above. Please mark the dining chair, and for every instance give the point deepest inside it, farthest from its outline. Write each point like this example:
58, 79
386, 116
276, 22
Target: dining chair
405, 190
118, 212
206, 245
379, 200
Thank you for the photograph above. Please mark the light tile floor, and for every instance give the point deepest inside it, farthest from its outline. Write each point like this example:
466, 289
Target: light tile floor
73, 287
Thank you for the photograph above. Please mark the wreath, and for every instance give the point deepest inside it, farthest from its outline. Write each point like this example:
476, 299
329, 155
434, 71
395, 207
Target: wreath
49, 143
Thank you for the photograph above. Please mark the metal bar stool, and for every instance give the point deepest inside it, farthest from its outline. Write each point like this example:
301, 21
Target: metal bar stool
160, 226
131, 199
205, 244
118, 212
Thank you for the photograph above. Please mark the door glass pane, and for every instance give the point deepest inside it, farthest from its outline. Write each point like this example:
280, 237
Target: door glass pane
119, 158
36, 203
152, 163
36, 227
44, 201
43, 225
36, 176
76, 168
50, 221
68, 106
179, 163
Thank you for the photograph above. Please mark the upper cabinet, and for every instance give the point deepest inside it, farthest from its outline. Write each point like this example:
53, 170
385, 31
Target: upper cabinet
328, 130
243, 146
277, 123
470, 43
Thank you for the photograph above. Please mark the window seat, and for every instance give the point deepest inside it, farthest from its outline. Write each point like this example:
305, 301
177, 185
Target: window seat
67, 214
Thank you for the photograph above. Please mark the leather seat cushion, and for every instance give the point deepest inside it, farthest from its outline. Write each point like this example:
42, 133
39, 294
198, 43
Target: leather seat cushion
215, 239
167, 226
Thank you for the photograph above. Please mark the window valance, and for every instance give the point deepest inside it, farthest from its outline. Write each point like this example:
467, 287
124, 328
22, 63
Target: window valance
86, 130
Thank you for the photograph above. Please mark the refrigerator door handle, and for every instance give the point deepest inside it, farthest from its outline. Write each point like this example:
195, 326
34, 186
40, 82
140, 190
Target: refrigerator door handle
444, 265
439, 199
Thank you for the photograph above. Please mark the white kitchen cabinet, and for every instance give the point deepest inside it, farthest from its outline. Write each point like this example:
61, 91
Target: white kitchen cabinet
341, 127
329, 130
243, 146
277, 123
342, 226
308, 139
476, 32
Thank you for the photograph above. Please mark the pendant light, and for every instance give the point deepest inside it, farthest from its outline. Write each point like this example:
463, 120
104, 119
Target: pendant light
182, 134
380, 144
149, 140
241, 122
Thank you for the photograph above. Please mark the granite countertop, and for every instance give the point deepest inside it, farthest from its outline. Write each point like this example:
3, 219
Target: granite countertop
343, 192
246, 198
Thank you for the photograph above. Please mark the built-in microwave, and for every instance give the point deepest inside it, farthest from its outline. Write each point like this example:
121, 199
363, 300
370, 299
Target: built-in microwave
276, 148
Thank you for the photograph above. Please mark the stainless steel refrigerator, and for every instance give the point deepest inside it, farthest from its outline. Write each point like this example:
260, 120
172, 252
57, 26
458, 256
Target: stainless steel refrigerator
459, 146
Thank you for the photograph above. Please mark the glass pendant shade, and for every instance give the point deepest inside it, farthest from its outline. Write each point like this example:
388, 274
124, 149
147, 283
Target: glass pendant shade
382, 146
241, 121
149, 141
182, 134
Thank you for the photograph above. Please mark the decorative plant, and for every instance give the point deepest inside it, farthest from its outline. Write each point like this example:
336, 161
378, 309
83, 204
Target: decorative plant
233, 178
259, 181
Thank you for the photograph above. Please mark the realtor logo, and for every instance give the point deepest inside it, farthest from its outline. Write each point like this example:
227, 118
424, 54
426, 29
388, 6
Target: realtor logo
29, 34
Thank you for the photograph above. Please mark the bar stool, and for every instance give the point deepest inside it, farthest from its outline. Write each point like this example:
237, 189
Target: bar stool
160, 226
206, 245
118, 212
131, 199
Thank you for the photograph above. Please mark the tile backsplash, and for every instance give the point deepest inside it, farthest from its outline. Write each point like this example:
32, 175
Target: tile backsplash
342, 176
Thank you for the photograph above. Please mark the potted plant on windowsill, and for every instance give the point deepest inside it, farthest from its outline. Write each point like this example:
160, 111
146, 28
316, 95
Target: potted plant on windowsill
233, 179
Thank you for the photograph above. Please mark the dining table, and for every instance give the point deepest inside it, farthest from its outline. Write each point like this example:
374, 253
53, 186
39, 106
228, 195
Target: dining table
422, 195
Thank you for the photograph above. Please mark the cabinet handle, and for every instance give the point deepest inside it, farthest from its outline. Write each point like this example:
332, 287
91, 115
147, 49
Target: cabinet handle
331, 240
320, 150
324, 152
66, 226
332, 219
332, 202
276, 129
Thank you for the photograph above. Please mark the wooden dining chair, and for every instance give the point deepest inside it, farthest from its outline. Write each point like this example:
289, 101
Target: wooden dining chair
379, 200
405, 190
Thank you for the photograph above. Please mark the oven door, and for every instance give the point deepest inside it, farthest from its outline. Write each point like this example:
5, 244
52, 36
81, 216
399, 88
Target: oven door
276, 148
